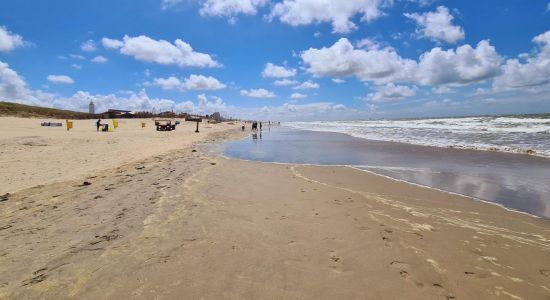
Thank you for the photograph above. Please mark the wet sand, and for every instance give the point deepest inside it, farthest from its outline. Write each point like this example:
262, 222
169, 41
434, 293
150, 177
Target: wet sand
515, 181
190, 224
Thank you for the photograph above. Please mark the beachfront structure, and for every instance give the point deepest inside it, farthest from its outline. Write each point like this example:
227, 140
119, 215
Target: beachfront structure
117, 113
91, 107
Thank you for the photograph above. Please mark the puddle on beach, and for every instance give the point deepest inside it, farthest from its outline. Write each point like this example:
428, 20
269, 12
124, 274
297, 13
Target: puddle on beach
516, 181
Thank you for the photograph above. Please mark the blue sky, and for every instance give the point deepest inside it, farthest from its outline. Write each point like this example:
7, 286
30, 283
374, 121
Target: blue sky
279, 59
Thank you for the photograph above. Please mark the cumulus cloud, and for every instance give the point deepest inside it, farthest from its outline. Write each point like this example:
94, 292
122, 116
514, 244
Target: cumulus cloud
391, 92
384, 65
342, 59
193, 82
111, 43
230, 8
285, 82
99, 59
307, 85
60, 79
200, 82
9, 40
169, 83
162, 52
437, 25
463, 65
531, 71
275, 71
338, 80
12, 86
339, 13
297, 96
88, 46
208, 105
258, 93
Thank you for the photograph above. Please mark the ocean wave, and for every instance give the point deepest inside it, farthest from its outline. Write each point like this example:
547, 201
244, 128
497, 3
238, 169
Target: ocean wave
504, 134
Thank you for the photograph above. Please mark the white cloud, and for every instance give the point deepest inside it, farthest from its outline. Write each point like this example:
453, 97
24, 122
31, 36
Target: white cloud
342, 59
437, 26
338, 12
170, 83
307, 85
298, 96
162, 52
88, 46
285, 82
463, 65
391, 92
111, 44
9, 40
258, 93
193, 82
275, 71
442, 90
215, 104
534, 72
77, 56
165, 4
338, 80
76, 66
548, 7
99, 59
12, 86
200, 82
61, 79
368, 44
230, 8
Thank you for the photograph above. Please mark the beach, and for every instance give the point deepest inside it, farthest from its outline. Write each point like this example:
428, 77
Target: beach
142, 214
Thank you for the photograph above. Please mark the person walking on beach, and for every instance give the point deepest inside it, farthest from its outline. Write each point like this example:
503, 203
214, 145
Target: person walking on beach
254, 126
98, 124
260, 126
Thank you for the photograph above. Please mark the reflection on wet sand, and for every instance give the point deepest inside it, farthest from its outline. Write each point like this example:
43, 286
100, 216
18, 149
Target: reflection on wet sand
515, 181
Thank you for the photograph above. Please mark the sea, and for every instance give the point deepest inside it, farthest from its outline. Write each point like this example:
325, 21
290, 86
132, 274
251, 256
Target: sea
517, 134
503, 160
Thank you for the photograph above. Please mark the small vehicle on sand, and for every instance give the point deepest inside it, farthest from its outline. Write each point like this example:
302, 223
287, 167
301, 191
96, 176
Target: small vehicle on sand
166, 124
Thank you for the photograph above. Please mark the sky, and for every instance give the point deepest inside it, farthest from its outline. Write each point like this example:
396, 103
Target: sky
279, 60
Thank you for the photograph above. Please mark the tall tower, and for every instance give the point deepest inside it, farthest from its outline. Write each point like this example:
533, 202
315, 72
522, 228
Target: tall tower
91, 107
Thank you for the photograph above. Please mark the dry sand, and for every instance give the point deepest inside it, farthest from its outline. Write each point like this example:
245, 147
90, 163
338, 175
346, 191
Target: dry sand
31, 155
193, 225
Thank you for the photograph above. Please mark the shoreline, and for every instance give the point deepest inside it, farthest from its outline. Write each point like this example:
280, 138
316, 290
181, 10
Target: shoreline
393, 179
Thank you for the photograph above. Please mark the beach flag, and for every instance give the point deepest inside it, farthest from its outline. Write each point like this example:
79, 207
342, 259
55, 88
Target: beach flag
69, 124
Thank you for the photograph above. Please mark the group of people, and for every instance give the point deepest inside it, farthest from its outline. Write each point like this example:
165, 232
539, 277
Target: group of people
255, 126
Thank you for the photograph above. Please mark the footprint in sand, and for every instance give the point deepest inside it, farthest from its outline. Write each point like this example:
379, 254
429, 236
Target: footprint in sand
333, 257
544, 272
405, 271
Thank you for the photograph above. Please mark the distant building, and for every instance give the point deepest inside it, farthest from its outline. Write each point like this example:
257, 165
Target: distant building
91, 107
117, 113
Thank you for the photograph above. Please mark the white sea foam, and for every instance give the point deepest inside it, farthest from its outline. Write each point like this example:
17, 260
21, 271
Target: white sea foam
506, 134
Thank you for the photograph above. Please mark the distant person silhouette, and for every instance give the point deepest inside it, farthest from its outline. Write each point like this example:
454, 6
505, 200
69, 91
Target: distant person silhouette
98, 124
